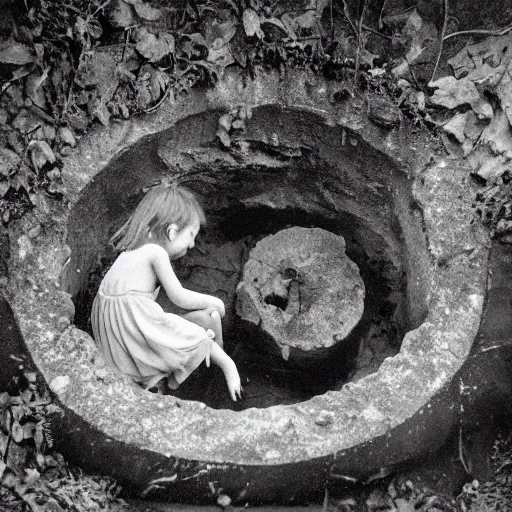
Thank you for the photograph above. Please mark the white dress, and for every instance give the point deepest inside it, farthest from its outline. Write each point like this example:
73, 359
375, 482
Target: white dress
140, 339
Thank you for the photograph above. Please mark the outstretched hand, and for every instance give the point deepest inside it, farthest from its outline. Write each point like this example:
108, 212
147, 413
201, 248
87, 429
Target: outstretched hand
235, 390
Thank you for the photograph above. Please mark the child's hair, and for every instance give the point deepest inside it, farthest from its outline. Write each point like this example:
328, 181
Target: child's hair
162, 206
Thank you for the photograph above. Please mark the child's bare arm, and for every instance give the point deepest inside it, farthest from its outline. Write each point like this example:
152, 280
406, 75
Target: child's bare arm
183, 298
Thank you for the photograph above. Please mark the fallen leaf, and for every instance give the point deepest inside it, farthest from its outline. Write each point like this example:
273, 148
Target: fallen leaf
32, 475
17, 432
146, 11
224, 137
456, 126
504, 92
498, 135
487, 165
66, 136
8, 161
34, 87
4, 187
13, 52
41, 154
252, 24
422, 34
452, 93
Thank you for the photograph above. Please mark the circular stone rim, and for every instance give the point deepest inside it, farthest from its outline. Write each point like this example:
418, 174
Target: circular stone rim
362, 411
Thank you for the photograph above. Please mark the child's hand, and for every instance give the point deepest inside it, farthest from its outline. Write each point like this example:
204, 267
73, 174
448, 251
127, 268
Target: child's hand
219, 306
234, 386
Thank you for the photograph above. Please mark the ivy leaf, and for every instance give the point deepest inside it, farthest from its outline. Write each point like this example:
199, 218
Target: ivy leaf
192, 46
222, 33
146, 12
252, 25
88, 29
152, 47
120, 14
277, 23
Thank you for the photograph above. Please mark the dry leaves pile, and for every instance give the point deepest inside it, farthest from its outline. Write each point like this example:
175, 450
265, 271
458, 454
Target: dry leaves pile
33, 476
480, 92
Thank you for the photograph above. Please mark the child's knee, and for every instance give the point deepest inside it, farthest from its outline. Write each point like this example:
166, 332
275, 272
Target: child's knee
206, 319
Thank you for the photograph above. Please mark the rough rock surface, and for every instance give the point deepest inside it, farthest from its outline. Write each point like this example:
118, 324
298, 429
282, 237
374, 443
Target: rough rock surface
302, 290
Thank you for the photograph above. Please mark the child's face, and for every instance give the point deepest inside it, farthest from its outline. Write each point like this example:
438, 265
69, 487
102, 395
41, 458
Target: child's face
181, 240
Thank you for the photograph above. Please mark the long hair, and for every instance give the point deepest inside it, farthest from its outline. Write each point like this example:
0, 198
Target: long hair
162, 206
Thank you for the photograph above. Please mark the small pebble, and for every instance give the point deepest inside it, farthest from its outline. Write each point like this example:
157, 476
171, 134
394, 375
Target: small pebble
223, 500
63, 323
202, 406
34, 231
324, 418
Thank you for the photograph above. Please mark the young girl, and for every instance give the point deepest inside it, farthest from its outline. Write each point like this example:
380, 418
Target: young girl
133, 331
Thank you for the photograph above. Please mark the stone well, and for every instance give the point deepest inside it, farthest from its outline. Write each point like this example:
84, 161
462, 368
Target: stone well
304, 159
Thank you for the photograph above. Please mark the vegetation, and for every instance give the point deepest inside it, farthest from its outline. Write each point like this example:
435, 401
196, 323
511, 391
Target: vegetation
68, 64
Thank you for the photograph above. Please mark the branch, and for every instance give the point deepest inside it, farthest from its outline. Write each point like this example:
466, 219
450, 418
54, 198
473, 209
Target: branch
443, 32
349, 19
373, 31
359, 42
479, 32
101, 7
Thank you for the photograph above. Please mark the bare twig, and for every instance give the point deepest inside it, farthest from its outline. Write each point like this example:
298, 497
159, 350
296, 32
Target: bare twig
349, 19
326, 500
462, 456
380, 14
101, 7
373, 31
332, 22
479, 32
443, 32
162, 99
413, 76
359, 42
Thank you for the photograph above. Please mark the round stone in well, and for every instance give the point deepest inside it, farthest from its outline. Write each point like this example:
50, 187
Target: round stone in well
302, 292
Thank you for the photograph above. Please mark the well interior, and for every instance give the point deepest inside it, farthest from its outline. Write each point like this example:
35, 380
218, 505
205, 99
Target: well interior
287, 168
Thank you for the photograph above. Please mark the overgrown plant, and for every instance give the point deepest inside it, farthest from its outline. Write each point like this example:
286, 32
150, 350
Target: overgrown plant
33, 476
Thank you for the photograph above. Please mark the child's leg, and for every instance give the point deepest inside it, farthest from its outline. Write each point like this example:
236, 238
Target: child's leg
208, 319
227, 365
